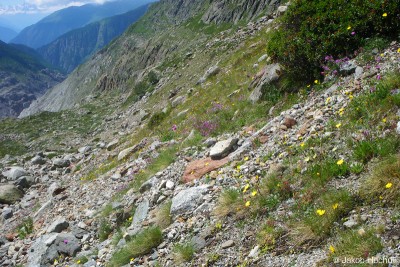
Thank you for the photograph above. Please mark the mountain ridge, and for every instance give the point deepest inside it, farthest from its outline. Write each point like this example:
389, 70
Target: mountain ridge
25, 76
72, 48
140, 49
62, 21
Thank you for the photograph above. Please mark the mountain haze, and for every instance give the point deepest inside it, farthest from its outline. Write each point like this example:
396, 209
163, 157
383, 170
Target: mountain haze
6, 34
72, 48
65, 20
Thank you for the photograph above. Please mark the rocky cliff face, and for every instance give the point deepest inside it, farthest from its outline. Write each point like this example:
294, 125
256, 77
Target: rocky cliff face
23, 78
146, 44
233, 11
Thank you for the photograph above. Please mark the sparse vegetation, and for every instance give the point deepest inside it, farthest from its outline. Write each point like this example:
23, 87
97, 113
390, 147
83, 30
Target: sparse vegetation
317, 222
383, 184
183, 252
25, 228
140, 244
163, 217
361, 243
104, 230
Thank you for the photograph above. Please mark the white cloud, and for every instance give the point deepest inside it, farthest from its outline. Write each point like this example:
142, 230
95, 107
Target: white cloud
42, 6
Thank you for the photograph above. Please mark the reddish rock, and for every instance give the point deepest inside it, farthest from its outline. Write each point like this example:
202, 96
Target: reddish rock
263, 139
196, 169
289, 122
11, 236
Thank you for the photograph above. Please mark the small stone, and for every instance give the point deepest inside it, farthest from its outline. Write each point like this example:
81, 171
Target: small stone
350, 223
254, 252
148, 184
61, 163
38, 160
289, 122
170, 185
228, 244
58, 226
113, 144
84, 149
222, 148
7, 213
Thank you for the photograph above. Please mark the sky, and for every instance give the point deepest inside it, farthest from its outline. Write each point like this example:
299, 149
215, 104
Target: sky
18, 14
11, 7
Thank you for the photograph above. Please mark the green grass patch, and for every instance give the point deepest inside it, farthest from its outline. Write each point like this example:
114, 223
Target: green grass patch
163, 215
316, 223
318, 174
12, 148
268, 235
104, 230
356, 244
365, 150
383, 185
140, 245
183, 252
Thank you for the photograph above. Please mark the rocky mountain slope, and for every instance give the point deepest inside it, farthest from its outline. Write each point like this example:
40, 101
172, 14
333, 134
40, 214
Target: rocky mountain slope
126, 60
73, 48
207, 161
25, 76
53, 26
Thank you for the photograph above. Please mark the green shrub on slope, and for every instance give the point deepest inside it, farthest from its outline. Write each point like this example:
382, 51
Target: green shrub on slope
312, 30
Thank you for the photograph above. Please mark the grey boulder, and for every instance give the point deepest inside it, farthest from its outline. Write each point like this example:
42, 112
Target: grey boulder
223, 148
9, 194
187, 200
13, 173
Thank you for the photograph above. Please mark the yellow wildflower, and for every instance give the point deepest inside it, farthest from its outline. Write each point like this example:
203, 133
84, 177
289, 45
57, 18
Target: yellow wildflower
398, 50
247, 204
78, 261
254, 193
316, 82
245, 188
132, 259
302, 144
238, 167
349, 27
380, 197
206, 164
388, 185
327, 100
351, 97
384, 120
338, 125
307, 159
335, 206
308, 86
384, 15
130, 219
331, 249
340, 162
320, 212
